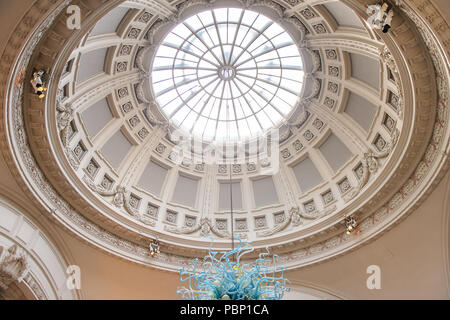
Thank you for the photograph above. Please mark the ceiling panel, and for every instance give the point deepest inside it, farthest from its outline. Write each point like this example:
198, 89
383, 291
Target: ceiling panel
307, 174
335, 151
110, 22
366, 70
96, 117
153, 178
91, 63
116, 149
264, 192
185, 191
361, 110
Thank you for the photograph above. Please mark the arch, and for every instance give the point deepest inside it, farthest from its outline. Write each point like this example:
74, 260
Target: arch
31, 265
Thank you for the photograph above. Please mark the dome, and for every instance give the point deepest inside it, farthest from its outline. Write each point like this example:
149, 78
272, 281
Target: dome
195, 120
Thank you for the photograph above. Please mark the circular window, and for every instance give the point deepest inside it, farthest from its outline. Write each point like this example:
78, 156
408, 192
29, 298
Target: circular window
227, 75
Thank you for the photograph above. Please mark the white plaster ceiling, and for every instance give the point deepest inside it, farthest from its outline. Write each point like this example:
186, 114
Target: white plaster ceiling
127, 136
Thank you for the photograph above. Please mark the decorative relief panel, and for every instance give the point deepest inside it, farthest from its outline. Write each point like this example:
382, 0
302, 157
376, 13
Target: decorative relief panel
222, 169
344, 185
279, 217
92, 168
171, 216
319, 28
79, 151
152, 211
298, 145
359, 171
237, 168
107, 182
285, 153
134, 33
143, 133
333, 71
310, 206
308, 13
190, 221
393, 100
145, 17
222, 224
329, 102
260, 222
200, 167
241, 225
134, 201
380, 143
160, 148
134, 121
333, 87
308, 135
327, 197
122, 92
389, 123
318, 124
126, 50
331, 54
251, 167
122, 66
127, 107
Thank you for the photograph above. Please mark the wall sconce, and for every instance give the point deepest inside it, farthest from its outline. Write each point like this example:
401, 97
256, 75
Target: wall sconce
38, 84
381, 16
350, 225
154, 247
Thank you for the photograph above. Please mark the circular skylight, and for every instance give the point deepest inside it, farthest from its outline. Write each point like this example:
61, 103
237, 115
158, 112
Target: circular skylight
227, 74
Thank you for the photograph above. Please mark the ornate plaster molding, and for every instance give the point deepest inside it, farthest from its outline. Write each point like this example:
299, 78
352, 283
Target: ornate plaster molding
13, 266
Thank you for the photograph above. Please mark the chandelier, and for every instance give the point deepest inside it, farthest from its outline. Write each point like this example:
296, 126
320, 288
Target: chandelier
224, 276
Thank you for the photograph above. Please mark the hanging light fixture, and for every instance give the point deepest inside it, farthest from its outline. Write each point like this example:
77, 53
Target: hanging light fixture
224, 276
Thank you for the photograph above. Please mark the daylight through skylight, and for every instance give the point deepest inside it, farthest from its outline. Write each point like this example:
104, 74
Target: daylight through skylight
227, 74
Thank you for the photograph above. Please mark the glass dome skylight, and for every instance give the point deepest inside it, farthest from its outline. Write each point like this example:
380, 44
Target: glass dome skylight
227, 74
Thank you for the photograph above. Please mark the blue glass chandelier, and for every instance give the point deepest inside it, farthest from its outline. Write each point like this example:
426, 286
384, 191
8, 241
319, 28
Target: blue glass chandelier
222, 276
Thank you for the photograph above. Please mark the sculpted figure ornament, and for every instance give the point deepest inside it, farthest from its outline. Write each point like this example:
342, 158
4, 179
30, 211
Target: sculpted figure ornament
12, 266
318, 214
120, 199
205, 226
63, 119
294, 217
370, 164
